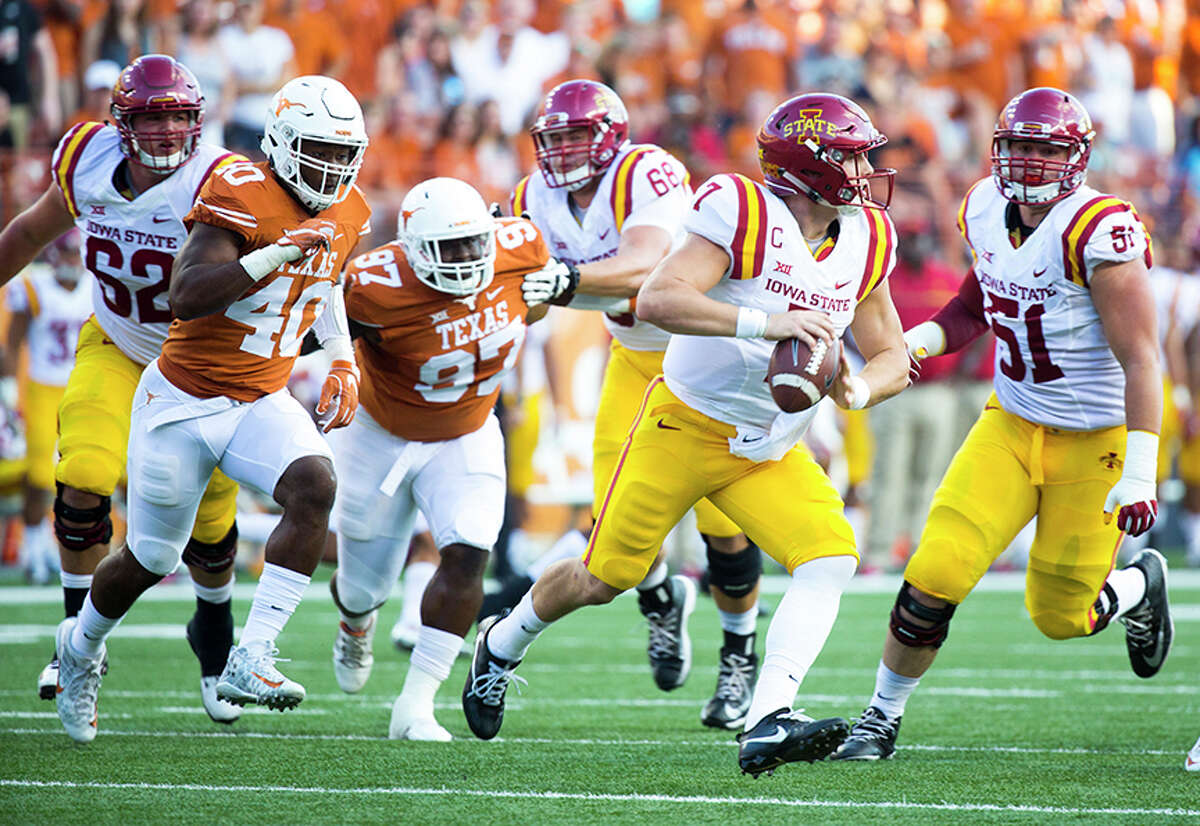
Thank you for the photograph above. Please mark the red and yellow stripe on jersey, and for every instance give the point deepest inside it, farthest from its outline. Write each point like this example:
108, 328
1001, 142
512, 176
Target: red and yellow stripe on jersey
35, 306
622, 190
750, 239
72, 150
519, 203
879, 250
220, 163
1079, 233
961, 221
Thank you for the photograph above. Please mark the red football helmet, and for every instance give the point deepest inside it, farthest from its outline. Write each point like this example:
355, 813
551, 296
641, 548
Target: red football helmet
579, 104
157, 83
1042, 115
804, 144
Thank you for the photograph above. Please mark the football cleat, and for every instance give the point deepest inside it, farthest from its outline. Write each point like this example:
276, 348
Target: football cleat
872, 738
785, 736
487, 682
250, 676
219, 711
48, 679
77, 692
670, 647
1148, 625
735, 688
352, 657
1192, 762
406, 725
404, 635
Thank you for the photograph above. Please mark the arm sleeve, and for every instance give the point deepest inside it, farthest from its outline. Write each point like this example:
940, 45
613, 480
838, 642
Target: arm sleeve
1119, 236
331, 327
963, 319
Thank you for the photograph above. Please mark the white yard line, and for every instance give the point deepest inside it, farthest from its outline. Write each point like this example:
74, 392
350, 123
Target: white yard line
682, 800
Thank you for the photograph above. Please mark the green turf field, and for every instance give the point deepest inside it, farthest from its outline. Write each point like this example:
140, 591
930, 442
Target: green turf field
1008, 727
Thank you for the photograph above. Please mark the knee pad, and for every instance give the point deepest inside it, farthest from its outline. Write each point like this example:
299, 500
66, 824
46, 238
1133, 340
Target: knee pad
212, 557
918, 636
95, 530
734, 575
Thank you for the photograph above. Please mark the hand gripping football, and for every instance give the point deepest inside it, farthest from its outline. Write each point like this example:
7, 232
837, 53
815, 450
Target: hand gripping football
800, 377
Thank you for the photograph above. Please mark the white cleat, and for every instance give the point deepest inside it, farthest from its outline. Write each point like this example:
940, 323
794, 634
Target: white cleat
219, 710
77, 694
1192, 763
48, 680
407, 726
250, 676
352, 657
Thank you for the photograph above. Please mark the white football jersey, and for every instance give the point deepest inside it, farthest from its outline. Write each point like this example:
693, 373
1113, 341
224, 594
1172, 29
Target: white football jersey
1176, 302
773, 269
129, 246
56, 314
644, 186
1053, 365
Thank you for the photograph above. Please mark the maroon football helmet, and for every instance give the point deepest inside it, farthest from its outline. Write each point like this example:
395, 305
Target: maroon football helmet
579, 104
1041, 115
157, 83
804, 144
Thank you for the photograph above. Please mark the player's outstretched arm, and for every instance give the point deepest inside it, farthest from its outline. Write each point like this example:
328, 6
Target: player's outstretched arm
674, 299
33, 229
622, 275
879, 335
207, 276
1122, 296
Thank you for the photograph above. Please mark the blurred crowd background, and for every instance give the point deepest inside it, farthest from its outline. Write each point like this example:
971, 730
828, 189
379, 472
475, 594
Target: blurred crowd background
450, 87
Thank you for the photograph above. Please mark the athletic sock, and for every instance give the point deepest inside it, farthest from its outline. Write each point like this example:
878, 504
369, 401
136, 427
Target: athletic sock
892, 691
511, 637
278, 593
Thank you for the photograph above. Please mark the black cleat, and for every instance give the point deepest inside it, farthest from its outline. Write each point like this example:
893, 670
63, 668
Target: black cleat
785, 736
735, 688
487, 682
1148, 625
670, 647
872, 738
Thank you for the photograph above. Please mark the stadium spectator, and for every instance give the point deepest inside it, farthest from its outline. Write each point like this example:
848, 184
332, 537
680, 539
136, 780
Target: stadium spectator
262, 58
28, 76
98, 82
1078, 377
199, 48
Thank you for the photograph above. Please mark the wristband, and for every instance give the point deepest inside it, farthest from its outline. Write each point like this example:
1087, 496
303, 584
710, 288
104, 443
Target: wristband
1141, 455
860, 392
751, 323
339, 348
263, 261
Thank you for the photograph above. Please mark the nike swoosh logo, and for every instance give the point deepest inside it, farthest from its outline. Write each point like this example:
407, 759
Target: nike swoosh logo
603, 235
1154, 662
777, 737
272, 684
1191, 762
158, 220
1039, 273
493, 293
667, 426
844, 283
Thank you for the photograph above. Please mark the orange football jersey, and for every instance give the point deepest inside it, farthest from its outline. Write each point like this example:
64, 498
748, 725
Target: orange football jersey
247, 351
436, 370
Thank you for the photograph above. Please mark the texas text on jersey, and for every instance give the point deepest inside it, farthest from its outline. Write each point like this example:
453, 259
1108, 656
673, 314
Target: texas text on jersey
247, 351
434, 369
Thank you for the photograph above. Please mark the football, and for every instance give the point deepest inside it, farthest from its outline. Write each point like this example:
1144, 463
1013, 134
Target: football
800, 377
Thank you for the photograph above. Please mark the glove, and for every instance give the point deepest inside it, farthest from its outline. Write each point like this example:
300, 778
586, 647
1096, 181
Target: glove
925, 340
1135, 493
554, 283
313, 235
339, 396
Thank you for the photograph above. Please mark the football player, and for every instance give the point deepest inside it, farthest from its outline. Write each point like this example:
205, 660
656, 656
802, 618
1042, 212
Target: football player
265, 250
805, 254
1070, 433
48, 306
614, 209
125, 187
443, 320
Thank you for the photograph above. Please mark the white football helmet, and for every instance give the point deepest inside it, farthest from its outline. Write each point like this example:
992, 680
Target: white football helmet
314, 108
448, 236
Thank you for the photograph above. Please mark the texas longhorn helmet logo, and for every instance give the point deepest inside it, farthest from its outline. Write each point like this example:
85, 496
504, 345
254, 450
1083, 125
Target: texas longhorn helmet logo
405, 214
284, 103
